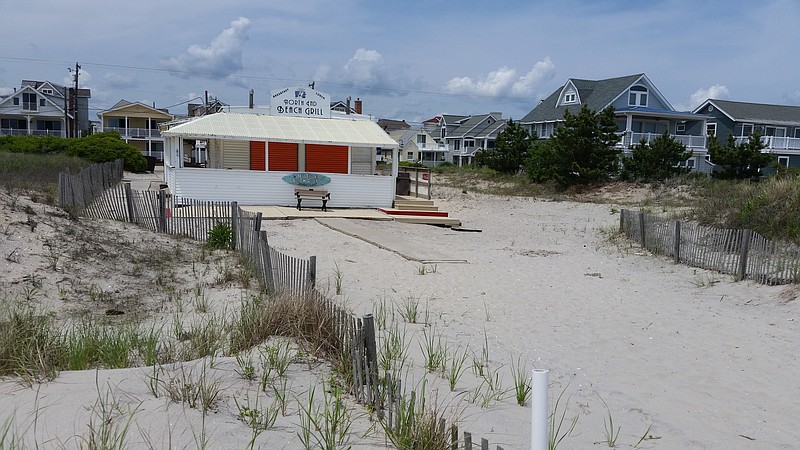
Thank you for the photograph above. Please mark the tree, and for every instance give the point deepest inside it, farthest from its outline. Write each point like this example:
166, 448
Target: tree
582, 149
510, 150
108, 146
657, 160
739, 161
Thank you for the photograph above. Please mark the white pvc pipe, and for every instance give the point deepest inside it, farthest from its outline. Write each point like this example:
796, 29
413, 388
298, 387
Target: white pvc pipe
539, 438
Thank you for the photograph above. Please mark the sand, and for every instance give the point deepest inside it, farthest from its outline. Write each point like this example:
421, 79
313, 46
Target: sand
685, 357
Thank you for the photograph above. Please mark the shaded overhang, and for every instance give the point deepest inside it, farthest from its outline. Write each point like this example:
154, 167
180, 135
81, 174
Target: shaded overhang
661, 113
254, 127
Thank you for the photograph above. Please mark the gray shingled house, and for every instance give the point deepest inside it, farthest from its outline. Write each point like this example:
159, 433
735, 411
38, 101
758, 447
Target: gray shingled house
779, 126
642, 114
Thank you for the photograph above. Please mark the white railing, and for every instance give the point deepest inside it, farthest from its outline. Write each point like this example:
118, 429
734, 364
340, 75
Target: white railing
630, 139
135, 132
24, 132
775, 142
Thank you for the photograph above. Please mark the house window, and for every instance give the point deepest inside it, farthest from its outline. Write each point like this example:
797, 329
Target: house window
690, 163
16, 101
29, 101
680, 128
783, 161
469, 143
747, 129
410, 156
711, 129
41, 102
543, 130
443, 134
47, 91
775, 131
570, 97
421, 139
637, 96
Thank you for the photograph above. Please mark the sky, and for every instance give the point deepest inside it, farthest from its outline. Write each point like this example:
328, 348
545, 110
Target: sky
410, 60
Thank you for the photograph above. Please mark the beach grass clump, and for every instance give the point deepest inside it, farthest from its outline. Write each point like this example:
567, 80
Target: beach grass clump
453, 369
416, 424
522, 383
433, 350
324, 426
768, 207
38, 173
30, 345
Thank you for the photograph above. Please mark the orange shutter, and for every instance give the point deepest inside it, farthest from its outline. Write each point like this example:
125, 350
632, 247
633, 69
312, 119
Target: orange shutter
326, 158
258, 155
283, 156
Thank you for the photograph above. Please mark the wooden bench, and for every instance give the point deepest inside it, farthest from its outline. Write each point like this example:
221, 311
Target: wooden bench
312, 194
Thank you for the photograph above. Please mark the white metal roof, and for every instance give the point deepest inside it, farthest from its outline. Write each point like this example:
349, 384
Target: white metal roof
284, 129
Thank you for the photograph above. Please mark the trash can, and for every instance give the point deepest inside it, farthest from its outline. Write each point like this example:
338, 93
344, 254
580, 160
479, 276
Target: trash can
151, 163
403, 186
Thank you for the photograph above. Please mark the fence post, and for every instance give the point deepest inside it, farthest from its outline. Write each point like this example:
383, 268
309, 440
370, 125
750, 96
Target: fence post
234, 223
372, 361
312, 272
270, 281
746, 235
622, 213
641, 228
677, 248
129, 201
257, 222
162, 211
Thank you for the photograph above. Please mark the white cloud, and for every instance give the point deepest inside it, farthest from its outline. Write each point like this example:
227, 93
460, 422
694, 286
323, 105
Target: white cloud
717, 91
119, 81
221, 59
6, 90
504, 81
368, 70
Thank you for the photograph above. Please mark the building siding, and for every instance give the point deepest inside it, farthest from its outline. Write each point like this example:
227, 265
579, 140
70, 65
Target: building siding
236, 155
258, 155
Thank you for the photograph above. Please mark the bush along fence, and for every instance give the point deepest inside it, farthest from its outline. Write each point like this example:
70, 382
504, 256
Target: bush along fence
741, 253
80, 191
352, 338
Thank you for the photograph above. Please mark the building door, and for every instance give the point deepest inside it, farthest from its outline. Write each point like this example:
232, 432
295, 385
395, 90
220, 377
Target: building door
282, 156
326, 158
258, 155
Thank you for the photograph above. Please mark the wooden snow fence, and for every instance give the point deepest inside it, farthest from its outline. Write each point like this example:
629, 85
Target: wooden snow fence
741, 253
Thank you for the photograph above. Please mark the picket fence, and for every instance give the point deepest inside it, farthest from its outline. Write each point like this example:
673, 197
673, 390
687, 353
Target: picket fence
741, 253
98, 194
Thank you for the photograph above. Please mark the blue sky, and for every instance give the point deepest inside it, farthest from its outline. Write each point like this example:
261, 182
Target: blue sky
409, 59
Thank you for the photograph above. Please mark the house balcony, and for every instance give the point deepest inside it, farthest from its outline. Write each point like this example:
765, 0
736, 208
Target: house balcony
24, 132
135, 133
629, 139
775, 142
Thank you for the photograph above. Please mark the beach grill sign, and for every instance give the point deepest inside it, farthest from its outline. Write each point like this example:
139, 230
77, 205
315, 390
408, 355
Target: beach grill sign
300, 101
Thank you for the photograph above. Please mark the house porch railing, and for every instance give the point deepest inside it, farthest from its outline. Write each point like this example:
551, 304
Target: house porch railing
135, 132
25, 132
775, 142
629, 139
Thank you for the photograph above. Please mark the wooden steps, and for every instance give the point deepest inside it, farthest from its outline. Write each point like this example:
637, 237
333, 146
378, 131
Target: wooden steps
415, 210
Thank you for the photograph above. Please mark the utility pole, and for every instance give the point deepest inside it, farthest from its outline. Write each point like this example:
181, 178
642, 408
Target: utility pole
75, 104
74, 100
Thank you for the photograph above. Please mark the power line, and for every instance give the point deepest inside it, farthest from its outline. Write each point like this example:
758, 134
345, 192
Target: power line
195, 73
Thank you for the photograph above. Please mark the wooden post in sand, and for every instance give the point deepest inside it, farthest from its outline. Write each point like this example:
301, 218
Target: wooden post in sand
129, 201
677, 248
641, 229
312, 272
745, 249
162, 211
234, 223
372, 363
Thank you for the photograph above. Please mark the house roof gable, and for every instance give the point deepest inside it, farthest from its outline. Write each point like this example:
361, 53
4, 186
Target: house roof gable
755, 112
596, 94
135, 108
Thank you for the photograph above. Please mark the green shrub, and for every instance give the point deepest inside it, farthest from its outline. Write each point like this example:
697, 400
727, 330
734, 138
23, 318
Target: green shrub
107, 147
220, 237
